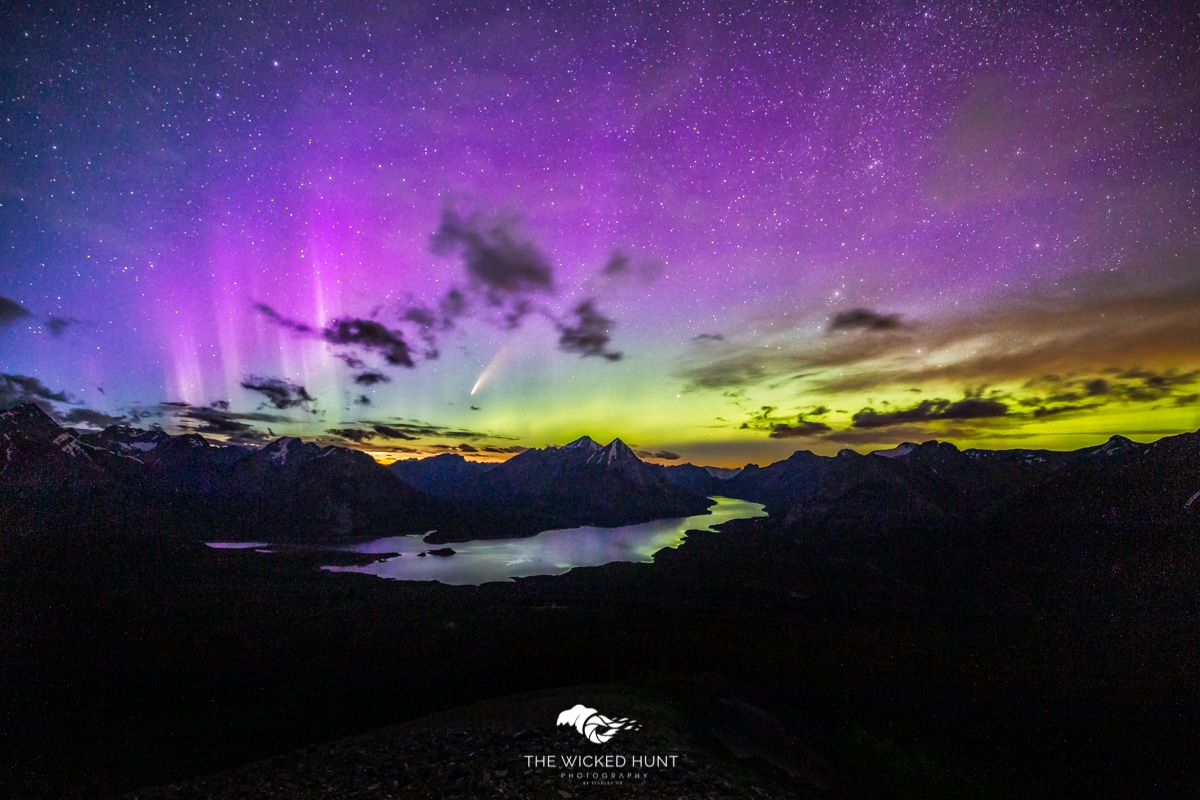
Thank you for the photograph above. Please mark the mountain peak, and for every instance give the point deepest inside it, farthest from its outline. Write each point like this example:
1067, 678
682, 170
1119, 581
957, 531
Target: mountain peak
1115, 444
28, 414
582, 443
619, 447
615, 452
896, 452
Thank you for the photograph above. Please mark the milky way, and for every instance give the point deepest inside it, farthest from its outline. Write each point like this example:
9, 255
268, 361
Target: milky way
727, 234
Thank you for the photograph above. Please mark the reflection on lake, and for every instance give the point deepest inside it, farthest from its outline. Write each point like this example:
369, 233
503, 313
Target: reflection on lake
548, 553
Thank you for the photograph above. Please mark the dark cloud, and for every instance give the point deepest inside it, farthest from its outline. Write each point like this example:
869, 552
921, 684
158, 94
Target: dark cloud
516, 448
392, 433
11, 311
505, 276
456, 448
783, 427
453, 305
930, 410
421, 316
217, 421
708, 337
363, 400
411, 430
220, 405
588, 336
1141, 385
373, 336
802, 428
864, 319
475, 408
282, 321
428, 323
466, 435
138, 414
618, 264
214, 421
736, 373
93, 419
365, 333
352, 434
760, 421
370, 378
279, 392
56, 325
497, 259
666, 455
22, 388
620, 270
1131, 385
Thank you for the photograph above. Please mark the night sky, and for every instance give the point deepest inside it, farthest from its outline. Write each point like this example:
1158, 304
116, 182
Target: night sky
721, 235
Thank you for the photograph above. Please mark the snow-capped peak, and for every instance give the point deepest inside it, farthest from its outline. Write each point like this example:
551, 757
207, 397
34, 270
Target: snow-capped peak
582, 443
615, 452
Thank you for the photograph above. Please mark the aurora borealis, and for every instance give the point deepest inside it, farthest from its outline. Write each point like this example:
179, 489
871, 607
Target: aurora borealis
719, 234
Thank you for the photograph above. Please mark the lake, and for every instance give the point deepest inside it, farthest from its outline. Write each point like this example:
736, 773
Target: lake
548, 553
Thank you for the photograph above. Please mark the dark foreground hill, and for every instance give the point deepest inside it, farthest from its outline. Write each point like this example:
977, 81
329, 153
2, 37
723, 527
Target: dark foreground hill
503, 748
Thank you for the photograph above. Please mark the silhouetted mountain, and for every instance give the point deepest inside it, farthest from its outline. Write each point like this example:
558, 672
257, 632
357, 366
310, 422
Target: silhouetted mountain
932, 515
581, 483
287, 490
927, 506
50, 479
697, 480
444, 476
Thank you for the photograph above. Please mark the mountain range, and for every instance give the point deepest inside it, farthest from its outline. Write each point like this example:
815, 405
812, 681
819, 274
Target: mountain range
888, 505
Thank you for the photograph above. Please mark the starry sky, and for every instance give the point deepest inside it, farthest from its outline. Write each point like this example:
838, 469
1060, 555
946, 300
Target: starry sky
721, 234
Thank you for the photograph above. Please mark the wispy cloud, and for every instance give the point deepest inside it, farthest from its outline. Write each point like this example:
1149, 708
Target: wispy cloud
864, 319
1089, 334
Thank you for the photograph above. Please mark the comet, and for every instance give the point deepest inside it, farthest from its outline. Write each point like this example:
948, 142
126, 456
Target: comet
492, 368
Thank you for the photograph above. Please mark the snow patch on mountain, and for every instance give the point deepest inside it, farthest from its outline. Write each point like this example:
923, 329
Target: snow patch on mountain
66, 442
897, 451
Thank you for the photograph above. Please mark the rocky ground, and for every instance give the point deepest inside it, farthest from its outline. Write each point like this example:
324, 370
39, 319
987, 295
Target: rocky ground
501, 748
